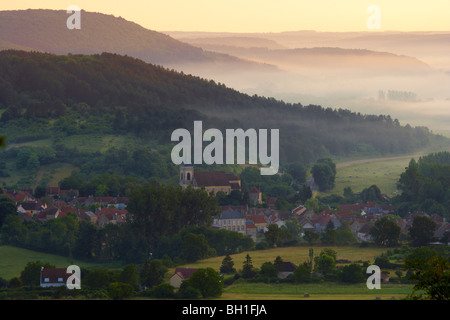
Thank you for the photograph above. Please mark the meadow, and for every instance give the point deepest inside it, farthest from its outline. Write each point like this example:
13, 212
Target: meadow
13, 260
296, 255
314, 291
241, 290
361, 174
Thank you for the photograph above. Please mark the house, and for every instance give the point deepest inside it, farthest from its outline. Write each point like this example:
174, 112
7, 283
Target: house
258, 220
19, 196
211, 181
53, 277
324, 218
271, 202
255, 196
230, 220
87, 215
251, 230
47, 214
180, 275
299, 210
286, 269
307, 225
363, 233
110, 215
31, 208
57, 192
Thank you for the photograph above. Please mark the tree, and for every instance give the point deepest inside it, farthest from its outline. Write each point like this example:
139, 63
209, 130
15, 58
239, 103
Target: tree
31, 274
349, 195
208, 282
329, 236
373, 193
86, 240
295, 228
268, 270
324, 173
302, 273
385, 232
278, 263
97, 279
13, 231
152, 273
195, 247
310, 236
298, 172
273, 235
130, 276
421, 231
7, 207
247, 269
411, 181
430, 273
119, 291
227, 265
352, 273
325, 263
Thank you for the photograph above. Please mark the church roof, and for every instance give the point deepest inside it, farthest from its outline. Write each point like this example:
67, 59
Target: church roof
213, 178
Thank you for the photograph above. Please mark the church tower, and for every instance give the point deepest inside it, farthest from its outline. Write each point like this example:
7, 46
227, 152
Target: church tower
186, 175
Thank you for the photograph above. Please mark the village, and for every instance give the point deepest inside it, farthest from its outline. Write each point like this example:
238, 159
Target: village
251, 219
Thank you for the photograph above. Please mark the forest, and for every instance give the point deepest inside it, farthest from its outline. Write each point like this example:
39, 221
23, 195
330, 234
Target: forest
45, 96
425, 185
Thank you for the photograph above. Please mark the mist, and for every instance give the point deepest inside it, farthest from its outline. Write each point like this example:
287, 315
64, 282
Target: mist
404, 75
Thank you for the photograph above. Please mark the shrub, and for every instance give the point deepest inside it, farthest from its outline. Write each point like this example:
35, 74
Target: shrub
119, 290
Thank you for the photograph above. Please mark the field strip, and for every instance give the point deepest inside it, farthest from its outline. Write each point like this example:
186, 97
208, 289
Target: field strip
351, 163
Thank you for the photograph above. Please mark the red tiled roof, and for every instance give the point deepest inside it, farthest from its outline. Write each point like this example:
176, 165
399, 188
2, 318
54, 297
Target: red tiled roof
53, 274
214, 178
256, 218
185, 273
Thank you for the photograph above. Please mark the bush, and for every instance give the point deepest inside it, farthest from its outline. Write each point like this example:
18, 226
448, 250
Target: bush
119, 290
162, 291
188, 292
352, 273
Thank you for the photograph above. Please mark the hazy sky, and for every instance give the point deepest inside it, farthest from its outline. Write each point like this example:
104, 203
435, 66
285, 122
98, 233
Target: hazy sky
262, 15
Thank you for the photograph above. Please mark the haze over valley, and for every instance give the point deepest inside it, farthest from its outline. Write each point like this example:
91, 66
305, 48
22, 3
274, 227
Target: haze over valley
403, 74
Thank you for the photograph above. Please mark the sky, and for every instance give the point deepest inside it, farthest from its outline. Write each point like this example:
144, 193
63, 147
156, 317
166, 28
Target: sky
262, 15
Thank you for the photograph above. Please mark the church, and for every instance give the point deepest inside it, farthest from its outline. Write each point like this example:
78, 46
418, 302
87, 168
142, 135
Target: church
212, 181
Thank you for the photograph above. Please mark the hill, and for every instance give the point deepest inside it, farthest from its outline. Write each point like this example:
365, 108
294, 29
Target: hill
55, 105
46, 31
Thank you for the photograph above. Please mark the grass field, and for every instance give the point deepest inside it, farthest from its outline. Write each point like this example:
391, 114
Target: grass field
364, 173
13, 260
316, 291
296, 255
290, 291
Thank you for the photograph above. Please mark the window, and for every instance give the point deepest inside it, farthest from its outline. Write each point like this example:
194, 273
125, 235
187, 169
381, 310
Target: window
47, 280
188, 176
60, 279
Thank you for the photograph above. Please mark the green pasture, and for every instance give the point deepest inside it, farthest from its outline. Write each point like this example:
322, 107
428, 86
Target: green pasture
383, 173
296, 255
314, 291
13, 260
